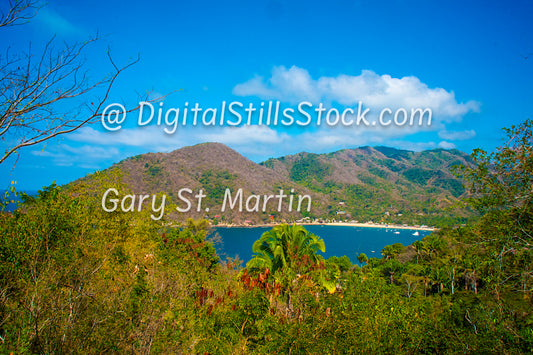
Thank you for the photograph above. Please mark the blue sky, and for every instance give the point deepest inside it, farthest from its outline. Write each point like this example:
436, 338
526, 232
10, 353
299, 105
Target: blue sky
470, 62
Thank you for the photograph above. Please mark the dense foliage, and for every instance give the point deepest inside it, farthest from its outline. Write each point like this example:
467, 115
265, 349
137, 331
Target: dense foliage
383, 184
74, 278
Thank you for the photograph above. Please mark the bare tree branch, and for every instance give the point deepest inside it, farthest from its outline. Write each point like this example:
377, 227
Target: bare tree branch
48, 94
20, 12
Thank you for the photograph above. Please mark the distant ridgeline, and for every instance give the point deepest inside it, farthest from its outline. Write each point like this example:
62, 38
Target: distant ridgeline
381, 184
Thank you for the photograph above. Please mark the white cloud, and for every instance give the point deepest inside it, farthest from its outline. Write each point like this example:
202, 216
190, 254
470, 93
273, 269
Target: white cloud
154, 136
457, 135
375, 91
335, 138
255, 87
446, 145
289, 85
151, 136
85, 156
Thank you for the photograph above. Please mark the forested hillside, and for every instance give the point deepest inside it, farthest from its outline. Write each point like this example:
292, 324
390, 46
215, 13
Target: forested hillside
365, 184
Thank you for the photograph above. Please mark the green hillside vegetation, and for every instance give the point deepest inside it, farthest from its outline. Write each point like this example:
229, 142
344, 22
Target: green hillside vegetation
74, 278
383, 185
309, 170
215, 183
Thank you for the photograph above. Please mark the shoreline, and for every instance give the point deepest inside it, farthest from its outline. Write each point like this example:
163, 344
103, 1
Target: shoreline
340, 224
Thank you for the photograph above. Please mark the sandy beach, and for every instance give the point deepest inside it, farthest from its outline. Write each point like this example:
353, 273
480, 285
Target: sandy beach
372, 225
346, 224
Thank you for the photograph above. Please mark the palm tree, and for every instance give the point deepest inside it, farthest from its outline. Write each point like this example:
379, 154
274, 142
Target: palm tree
286, 246
440, 277
362, 258
419, 246
434, 244
391, 251
290, 251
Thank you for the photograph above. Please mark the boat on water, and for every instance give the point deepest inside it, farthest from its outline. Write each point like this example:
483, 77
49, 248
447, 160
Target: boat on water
397, 232
416, 234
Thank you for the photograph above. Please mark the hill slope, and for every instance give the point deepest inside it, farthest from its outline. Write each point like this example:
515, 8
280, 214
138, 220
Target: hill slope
380, 184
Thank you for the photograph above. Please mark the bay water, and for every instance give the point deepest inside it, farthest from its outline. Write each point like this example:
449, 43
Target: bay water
339, 240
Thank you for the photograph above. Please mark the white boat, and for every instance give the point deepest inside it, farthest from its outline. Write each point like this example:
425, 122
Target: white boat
416, 234
396, 232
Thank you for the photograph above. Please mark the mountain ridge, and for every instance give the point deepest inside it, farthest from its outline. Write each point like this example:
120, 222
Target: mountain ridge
381, 184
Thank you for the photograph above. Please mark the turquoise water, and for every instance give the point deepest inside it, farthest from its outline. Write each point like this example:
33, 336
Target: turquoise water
339, 240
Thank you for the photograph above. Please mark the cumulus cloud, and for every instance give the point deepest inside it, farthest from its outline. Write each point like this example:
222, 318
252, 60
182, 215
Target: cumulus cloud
289, 85
446, 145
375, 91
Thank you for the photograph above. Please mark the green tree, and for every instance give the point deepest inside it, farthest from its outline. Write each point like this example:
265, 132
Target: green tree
290, 252
391, 251
362, 258
286, 246
434, 244
502, 180
419, 246
342, 262
190, 238
500, 187
393, 268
